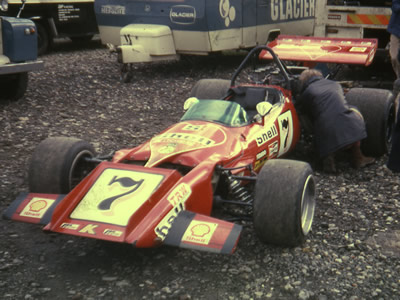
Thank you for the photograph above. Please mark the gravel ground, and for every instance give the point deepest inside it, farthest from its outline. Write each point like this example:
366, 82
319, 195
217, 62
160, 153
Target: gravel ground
353, 251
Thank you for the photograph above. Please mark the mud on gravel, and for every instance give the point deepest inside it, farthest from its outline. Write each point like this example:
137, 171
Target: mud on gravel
353, 251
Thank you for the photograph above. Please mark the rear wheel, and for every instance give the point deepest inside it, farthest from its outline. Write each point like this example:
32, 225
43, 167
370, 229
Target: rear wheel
284, 202
378, 110
210, 88
58, 164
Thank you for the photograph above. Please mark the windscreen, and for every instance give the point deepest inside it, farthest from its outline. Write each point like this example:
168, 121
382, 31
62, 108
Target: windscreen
219, 111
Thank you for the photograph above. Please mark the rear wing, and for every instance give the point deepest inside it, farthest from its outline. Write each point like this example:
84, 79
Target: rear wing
323, 50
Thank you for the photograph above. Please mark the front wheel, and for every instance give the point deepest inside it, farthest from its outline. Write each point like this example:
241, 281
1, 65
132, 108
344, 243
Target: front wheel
58, 164
284, 202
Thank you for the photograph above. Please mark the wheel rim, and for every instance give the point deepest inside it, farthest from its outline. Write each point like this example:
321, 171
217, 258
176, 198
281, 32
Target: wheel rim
80, 168
307, 205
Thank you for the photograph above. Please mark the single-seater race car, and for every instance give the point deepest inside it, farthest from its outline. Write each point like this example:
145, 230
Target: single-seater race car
226, 152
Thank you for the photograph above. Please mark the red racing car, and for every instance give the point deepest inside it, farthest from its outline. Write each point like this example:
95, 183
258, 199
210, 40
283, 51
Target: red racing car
226, 151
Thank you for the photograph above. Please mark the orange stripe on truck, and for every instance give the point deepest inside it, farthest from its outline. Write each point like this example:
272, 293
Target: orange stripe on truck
368, 19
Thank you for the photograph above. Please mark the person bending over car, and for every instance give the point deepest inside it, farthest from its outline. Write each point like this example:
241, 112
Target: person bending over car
336, 126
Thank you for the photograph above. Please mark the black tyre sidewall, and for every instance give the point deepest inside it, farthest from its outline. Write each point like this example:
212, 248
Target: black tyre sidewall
377, 109
210, 88
51, 164
43, 38
13, 86
277, 205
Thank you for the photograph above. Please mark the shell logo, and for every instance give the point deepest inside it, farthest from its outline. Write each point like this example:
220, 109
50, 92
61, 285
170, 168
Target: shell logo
37, 205
200, 230
227, 11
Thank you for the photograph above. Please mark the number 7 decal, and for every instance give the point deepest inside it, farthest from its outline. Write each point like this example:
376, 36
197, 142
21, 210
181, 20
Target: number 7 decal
125, 182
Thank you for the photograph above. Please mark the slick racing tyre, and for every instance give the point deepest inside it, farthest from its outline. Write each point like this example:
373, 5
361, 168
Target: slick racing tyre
58, 164
284, 203
378, 110
210, 88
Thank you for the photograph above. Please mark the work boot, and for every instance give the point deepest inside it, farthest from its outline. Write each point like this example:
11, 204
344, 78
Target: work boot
359, 159
328, 164
363, 161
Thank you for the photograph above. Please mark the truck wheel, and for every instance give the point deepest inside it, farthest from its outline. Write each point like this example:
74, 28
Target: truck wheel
378, 110
81, 39
58, 164
284, 203
210, 88
43, 39
13, 86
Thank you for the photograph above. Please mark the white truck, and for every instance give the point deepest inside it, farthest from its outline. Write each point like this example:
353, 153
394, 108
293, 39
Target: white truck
354, 19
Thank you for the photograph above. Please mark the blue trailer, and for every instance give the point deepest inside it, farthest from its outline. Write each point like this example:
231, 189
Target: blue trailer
154, 30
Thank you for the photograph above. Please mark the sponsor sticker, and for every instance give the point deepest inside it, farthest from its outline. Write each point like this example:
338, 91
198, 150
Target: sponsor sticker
69, 226
227, 12
179, 194
334, 17
190, 127
182, 14
273, 149
167, 149
90, 229
285, 122
358, 49
199, 232
165, 225
112, 232
113, 10
184, 138
36, 208
267, 135
261, 154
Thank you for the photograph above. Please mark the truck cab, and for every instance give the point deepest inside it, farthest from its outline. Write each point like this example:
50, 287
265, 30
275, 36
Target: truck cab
73, 19
18, 56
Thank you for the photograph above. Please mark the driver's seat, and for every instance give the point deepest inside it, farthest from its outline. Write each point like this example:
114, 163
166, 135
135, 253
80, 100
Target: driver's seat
249, 96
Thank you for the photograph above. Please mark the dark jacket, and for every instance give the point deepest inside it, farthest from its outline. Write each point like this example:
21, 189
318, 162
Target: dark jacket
335, 125
394, 23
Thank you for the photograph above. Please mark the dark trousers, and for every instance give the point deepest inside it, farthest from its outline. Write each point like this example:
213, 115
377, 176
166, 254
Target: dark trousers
394, 155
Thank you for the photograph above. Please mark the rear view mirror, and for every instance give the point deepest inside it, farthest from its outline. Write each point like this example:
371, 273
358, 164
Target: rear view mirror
263, 108
189, 102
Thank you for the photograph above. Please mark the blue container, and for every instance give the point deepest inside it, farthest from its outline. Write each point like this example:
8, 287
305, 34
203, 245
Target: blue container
19, 39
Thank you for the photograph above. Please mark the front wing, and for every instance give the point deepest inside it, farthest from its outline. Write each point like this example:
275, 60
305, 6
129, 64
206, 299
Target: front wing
187, 230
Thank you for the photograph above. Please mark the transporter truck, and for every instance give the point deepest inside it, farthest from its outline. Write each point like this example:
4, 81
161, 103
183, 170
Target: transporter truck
18, 55
159, 30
